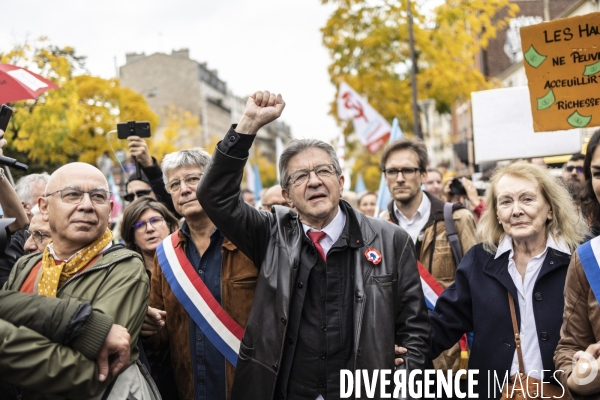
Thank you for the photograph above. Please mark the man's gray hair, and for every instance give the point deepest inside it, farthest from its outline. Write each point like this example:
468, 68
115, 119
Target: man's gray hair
296, 147
23, 186
195, 157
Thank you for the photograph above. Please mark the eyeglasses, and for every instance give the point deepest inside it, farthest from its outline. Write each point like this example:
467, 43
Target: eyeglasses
407, 173
269, 205
74, 196
190, 180
143, 225
135, 195
301, 176
570, 168
38, 236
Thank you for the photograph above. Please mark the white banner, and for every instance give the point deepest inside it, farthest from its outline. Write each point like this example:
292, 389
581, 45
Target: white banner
370, 127
503, 128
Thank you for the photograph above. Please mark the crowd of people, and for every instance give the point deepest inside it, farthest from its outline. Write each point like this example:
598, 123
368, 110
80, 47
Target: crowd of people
203, 291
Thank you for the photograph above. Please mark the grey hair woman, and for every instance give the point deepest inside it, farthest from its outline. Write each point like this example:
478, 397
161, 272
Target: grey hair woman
528, 233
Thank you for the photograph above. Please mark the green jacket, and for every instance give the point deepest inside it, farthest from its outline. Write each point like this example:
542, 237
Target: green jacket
63, 321
116, 285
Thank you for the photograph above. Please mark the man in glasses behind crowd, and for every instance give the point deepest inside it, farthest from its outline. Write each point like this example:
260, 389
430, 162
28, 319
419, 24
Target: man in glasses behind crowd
572, 175
272, 197
421, 215
81, 263
203, 368
39, 235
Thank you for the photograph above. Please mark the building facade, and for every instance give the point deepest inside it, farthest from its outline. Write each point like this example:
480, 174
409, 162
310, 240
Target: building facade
167, 80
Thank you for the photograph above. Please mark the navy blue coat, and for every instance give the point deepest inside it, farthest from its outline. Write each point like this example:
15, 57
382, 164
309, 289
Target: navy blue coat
477, 301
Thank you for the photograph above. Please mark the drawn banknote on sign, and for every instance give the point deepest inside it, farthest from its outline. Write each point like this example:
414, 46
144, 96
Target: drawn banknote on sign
562, 63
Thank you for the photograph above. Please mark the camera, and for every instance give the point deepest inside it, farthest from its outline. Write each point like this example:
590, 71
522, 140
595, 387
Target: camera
133, 128
457, 188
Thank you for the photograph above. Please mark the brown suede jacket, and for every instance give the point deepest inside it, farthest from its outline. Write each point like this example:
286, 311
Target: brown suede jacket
581, 323
238, 283
435, 253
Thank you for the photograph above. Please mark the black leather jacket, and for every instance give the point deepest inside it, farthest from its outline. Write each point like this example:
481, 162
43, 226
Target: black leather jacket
389, 307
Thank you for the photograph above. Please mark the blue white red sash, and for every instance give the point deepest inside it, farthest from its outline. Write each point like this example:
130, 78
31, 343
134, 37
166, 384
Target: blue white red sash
588, 254
222, 331
431, 287
432, 291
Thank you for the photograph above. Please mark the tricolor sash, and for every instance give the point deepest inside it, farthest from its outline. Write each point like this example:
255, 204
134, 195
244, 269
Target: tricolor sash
431, 288
222, 331
588, 254
432, 291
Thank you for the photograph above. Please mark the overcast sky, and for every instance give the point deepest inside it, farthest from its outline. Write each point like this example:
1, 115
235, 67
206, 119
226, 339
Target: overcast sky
254, 45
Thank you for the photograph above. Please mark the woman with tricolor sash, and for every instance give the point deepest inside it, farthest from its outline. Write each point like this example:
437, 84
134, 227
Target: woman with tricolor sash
508, 289
578, 351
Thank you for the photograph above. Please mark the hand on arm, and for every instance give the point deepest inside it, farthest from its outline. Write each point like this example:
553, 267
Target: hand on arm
154, 320
116, 344
139, 150
261, 108
399, 352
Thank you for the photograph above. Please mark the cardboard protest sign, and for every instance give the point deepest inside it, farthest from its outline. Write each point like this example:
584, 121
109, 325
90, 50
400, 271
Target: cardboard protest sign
562, 63
503, 128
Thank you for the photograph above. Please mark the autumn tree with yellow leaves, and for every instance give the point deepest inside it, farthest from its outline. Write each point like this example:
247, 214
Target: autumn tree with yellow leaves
71, 123
368, 44
181, 128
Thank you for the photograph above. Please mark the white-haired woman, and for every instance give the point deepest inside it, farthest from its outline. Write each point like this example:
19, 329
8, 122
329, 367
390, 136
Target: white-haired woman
528, 233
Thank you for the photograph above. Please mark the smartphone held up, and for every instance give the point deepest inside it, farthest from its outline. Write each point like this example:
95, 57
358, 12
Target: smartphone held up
133, 128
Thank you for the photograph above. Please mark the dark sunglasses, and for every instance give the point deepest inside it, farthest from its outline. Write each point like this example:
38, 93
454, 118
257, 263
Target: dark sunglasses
134, 195
570, 168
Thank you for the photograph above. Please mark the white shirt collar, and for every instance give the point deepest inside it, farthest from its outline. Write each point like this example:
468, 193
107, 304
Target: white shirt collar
506, 244
333, 229
424, 207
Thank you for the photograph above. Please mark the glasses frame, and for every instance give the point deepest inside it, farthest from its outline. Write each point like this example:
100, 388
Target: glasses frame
185, 179
573, 167
407, 172
83, 192
269, 205
40, 233
289, 179
137, 195
151, 221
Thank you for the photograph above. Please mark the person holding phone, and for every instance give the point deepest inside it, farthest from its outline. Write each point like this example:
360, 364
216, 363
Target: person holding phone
150, 170
12, 208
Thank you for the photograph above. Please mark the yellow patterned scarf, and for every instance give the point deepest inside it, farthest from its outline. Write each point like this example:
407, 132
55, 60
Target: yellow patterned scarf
53, 276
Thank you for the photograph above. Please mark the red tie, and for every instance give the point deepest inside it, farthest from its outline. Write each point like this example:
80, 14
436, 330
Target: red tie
316, 237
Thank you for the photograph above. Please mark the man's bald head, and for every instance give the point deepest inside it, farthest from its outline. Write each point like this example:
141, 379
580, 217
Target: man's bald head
273, 197
77, 207
75, 170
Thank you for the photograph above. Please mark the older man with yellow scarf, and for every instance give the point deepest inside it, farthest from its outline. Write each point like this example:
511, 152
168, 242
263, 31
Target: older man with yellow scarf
81, 263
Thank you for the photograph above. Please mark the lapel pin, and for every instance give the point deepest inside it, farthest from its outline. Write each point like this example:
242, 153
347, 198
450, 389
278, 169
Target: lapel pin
373, 255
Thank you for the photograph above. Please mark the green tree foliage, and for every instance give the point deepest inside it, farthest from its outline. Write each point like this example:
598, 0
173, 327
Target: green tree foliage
71, 123
369, 48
